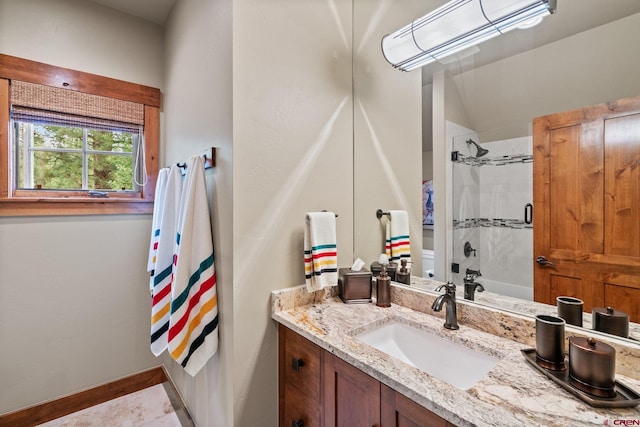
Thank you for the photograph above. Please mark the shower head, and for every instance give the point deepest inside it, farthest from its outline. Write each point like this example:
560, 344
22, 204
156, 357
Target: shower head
481, 151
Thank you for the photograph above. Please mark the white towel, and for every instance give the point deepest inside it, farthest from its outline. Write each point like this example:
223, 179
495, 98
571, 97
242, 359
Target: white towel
397, 243
320, 251
158, 205
164, 271
193, 326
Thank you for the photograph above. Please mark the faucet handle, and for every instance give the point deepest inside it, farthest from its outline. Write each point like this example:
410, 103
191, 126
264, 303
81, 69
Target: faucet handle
473, 272
449, 288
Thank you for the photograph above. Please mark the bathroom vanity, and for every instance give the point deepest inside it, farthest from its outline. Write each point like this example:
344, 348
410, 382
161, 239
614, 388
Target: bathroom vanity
329, 375
318, 388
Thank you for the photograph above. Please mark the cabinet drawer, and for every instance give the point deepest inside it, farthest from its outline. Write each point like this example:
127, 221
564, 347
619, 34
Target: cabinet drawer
301, 364
299, 409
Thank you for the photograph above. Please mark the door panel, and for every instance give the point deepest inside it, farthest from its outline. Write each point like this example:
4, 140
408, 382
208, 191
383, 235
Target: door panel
622, 153
564, 206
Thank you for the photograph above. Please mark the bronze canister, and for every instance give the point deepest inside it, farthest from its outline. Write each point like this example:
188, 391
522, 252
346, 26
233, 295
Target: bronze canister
611, 321
592, 366
550, 342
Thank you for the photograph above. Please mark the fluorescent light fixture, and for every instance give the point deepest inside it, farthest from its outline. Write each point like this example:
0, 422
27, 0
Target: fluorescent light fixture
456, 26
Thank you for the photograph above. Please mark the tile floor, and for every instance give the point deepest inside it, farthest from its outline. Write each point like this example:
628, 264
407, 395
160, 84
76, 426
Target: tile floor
156, 406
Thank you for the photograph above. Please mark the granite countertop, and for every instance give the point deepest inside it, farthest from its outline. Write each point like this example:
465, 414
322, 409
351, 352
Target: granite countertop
512, 393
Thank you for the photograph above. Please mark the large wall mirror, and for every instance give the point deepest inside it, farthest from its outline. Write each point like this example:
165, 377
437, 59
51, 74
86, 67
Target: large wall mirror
406, 126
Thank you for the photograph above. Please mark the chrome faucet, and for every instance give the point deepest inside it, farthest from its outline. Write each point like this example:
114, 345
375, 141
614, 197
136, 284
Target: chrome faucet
449, 298
470, 284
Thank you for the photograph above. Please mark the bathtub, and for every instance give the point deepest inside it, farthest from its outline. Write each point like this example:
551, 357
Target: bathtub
507, 289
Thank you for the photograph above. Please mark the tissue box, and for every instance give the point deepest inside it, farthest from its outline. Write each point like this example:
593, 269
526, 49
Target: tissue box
354, 286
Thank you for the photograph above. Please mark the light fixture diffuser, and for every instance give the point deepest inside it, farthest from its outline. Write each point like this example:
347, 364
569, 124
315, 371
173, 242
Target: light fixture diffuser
456, 26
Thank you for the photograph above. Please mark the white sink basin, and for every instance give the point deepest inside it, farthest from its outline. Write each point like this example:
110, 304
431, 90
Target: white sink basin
453, 363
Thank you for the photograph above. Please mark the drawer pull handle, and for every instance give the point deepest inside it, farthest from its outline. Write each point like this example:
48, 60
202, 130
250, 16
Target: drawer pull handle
296, 364
298, 423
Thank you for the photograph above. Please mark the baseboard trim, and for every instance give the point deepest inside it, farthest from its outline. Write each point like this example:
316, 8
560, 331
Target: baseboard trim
66, 405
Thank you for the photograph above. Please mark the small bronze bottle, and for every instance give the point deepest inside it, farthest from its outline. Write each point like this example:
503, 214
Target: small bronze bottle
404, 275
383, 288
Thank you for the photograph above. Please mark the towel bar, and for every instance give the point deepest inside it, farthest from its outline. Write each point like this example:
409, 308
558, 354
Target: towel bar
324, 210
380, 213
209, 160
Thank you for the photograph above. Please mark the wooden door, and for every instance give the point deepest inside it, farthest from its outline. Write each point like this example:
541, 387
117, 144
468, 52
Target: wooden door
587, 206
351, 397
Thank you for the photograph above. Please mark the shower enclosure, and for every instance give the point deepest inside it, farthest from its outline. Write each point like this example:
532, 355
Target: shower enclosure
492, 210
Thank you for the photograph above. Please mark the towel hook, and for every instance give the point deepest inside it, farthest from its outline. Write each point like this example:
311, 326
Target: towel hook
379, 213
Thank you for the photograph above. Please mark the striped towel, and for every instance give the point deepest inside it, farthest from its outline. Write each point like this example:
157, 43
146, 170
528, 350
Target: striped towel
320, 251
158, 205
397, 243
193, 326
163, 273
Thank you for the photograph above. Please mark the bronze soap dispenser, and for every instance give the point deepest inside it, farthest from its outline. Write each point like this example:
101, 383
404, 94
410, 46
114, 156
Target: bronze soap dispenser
383, 288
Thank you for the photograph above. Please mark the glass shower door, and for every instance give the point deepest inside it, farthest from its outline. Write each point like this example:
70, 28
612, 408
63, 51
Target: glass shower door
492, 214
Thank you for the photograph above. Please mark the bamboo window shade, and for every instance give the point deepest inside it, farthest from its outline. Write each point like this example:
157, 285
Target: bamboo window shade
40, 103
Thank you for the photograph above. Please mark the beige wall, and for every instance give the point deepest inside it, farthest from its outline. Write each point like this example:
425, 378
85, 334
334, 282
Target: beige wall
74, 292
270, 85
387, 132
292, 153
83, 36
591, 67
198, 114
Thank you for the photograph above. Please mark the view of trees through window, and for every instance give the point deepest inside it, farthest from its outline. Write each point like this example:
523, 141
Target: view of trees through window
72, 158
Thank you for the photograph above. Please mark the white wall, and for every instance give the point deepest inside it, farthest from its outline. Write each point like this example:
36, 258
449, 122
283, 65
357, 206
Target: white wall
74, 295
198, 114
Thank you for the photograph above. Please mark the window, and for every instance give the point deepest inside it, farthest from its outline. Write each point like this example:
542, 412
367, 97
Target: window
59, 157
75, 143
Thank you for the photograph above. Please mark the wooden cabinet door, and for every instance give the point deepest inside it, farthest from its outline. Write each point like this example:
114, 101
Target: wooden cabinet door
400, 411
299, 363
587, 205
351, 397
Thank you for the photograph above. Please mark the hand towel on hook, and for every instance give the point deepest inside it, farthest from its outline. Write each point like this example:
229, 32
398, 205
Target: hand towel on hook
320, 250
397, 244
193, 324
164, 269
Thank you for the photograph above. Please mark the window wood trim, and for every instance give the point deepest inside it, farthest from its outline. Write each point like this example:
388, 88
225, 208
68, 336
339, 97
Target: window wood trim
26, 70
33, 202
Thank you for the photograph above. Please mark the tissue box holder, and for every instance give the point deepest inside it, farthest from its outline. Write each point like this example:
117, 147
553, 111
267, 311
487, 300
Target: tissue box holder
354, 286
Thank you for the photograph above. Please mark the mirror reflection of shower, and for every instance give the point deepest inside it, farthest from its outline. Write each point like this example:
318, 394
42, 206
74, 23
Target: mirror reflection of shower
491, 207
